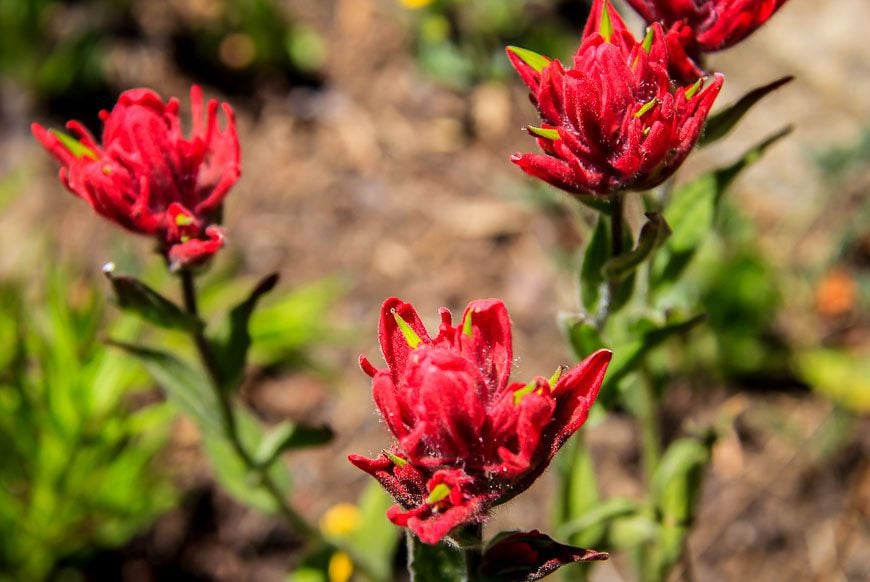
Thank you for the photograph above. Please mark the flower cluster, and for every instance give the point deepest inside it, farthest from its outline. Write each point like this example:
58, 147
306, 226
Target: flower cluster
466, 437
708, 25
613, 121
150, 179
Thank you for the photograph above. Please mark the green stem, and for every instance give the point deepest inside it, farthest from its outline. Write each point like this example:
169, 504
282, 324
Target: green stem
648, 417
230, 422
616, 220
611, 286
473, 553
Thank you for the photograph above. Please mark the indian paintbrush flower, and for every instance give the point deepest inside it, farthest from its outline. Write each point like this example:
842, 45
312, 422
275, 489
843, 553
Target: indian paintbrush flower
466, 437
707, 25
614, 121
148, 177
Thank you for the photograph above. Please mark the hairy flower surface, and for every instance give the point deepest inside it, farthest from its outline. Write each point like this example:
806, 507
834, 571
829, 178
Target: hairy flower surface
614, 120
466, 437
150, 179
708, 25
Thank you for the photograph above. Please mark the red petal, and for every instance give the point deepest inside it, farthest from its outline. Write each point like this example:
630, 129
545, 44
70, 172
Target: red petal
405, 483
196, 251
394, 345
575, 392
490, 345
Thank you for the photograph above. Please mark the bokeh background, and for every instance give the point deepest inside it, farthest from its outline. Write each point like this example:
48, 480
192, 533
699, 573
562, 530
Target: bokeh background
375, 140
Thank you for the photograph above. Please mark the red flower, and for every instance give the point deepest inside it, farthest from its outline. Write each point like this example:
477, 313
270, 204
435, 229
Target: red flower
466, 438
150, 179
612, 122
708, 25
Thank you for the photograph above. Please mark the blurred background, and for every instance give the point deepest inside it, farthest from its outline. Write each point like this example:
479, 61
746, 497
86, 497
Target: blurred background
375, 140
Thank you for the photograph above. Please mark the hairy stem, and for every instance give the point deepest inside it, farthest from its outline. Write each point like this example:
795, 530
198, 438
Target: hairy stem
474, 552
611, 286
616, 219
230, 422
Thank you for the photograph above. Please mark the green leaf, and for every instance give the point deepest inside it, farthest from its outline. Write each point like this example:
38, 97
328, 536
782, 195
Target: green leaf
232, 472
626, 357
676, 484
594, 521
294, 322
289, 436
232, 352
578, 492
652, 235
725, 176
136, 297
375, 542
837, 375
676, 488
632, 531
584, 337
185, 387
596, 255
720, 124
531, 58
692, 210
434, 563
690, 213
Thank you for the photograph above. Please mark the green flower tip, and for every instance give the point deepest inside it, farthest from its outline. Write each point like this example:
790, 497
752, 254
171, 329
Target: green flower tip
410, 335
439, 492
536, 61
544, 133
606, 26
75, 147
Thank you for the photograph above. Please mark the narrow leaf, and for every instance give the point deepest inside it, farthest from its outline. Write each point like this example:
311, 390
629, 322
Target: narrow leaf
376, 541
632, 531
652, 235
136, 297
289, 436
186, 388
676, 484
578, 492
690, 213
233, 351
234, 474
626, 357
584, 337
598, 516
724, 176
720, 124
692, 210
